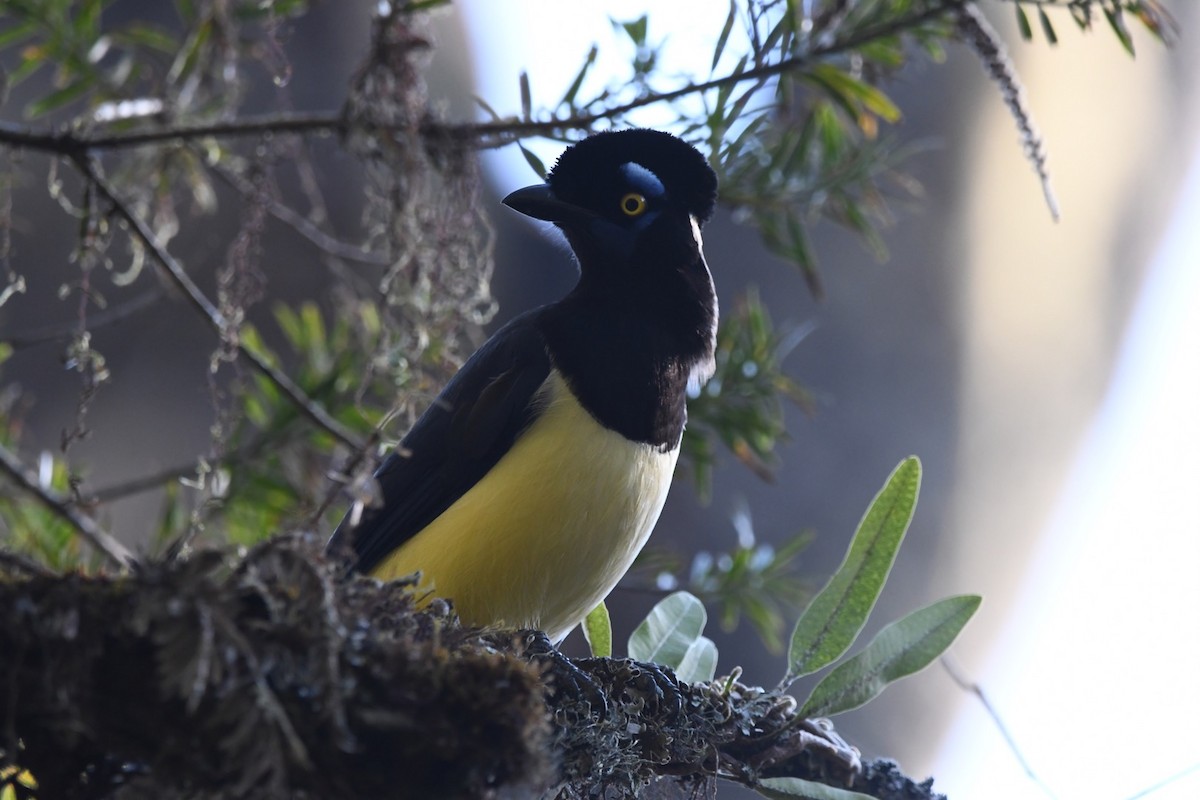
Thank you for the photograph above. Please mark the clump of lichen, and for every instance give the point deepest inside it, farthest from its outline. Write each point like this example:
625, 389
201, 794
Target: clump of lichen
265, 676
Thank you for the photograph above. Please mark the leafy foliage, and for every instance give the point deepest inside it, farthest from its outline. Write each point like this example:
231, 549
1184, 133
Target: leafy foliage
104, 69
796, 119
902, 648
758, 581
742, 405
793, 112
784, 788
672, 633
835, 616
597, 629
34, 529
1153, 16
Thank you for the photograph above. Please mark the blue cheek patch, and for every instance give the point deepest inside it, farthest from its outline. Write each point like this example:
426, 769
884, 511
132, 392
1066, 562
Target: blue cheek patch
643, 179
619, 240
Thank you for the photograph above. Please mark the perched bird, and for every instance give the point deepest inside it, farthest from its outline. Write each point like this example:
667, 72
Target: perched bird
527, 488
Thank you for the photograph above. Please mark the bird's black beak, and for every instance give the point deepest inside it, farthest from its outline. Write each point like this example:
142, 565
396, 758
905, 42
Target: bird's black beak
540, 202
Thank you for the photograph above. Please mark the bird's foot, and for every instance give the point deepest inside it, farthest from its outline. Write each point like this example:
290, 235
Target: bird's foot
658, 684
567, 679
639, 684
822, 738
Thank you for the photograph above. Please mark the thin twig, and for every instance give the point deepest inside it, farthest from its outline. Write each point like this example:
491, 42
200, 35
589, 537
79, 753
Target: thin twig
351, 467
143, 483
73, 144
301, 224
84, 525
64, 330
968, 685
1165, 782
514, 129
489, 134
155, 480
268, 701
26, 565
196, 298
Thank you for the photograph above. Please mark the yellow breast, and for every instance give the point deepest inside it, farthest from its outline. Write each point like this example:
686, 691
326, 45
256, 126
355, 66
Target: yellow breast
545, 535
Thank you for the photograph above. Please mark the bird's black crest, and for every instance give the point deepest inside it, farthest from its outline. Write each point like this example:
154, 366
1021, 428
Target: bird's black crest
591, 162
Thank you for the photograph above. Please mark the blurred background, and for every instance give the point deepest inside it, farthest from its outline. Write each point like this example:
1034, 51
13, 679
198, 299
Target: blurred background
1045, 372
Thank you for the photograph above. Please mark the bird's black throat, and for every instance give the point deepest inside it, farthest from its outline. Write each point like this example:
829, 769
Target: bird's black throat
629, 347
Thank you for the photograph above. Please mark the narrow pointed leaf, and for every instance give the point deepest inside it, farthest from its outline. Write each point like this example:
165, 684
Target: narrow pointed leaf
1082, 16
851, 93
723, 39
902, 648
787, 788
1047, 28
569, 98
60, 97
636, 29
833, 619
1116, 21
526, 97
17, 33
669, 630
533, 161
699, 662
1023, 24
491, 112
597, 629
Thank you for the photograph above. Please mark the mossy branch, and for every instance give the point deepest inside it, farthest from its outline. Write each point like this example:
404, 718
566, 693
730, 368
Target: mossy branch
270, 676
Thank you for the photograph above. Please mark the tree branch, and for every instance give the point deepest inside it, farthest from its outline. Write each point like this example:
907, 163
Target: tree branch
64, 330
299, 683
301, 224
203, 306
73, 144
84, 525
495, 133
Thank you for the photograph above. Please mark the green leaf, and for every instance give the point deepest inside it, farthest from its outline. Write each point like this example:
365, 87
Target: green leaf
1047, 28
569, 98
834, 618
149, 36
33, 58
635, 29
60, 97
850, 92
1116, 20
491, 112
597, 629
699, 662
669, 630
533, 161
902, 648
723, 39
1023, 24
1082, 16
526, 97
787, 788
416, 6
87, 21
17, 33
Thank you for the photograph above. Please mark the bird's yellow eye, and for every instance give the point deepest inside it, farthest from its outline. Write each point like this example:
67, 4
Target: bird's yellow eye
633, 204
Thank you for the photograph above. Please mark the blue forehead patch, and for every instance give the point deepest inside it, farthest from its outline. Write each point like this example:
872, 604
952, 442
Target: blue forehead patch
643, 179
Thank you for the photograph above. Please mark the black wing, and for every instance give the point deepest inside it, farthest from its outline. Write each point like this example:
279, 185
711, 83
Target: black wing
461, 436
